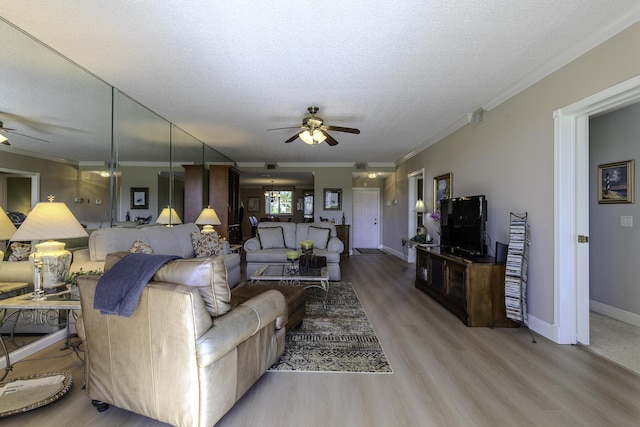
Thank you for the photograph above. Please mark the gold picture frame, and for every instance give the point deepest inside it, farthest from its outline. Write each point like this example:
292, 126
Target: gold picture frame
441, 189
615, 182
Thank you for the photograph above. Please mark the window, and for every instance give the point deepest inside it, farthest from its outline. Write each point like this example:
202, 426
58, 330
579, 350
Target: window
278, 202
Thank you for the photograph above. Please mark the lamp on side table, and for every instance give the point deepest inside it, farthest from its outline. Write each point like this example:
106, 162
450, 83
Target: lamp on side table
7, 229
51, 261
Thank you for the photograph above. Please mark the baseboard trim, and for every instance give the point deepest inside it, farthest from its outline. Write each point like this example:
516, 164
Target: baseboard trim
34, 347
615, 313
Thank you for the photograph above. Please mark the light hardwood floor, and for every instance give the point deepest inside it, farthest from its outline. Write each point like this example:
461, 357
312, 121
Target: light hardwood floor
445, 374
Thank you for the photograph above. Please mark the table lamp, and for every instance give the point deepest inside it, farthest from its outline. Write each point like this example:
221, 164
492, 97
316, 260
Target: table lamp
208, 218
169, 216
51, 261
7, 229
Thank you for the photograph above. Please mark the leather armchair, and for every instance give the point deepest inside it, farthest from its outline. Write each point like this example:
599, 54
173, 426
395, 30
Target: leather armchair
171, 360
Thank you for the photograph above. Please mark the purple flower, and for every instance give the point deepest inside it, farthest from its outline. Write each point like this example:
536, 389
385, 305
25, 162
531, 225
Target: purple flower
435, 216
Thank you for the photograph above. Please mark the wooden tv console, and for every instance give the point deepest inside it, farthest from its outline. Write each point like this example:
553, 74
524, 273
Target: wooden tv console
472, 289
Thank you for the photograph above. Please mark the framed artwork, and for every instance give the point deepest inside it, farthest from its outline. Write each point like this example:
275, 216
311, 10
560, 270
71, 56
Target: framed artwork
441, 189
253, 204
332, 199
139, 197
615, 182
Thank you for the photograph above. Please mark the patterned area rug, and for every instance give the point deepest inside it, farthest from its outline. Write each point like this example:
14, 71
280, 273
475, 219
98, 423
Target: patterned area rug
370, 251
338, 339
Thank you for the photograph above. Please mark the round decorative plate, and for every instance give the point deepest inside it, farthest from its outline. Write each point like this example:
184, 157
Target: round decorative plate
26, 393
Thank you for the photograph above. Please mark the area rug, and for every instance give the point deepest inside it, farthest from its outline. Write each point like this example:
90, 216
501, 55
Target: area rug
370, 251
338, 339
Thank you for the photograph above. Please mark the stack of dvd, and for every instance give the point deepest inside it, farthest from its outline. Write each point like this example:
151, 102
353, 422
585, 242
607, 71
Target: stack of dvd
515, 281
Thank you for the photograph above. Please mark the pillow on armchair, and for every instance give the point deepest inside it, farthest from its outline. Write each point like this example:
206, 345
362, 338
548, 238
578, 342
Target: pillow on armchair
271, 237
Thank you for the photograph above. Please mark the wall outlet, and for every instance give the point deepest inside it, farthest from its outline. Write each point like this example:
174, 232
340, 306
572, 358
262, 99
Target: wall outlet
626, 221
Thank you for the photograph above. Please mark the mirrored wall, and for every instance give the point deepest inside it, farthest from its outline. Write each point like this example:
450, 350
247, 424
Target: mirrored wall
85, 141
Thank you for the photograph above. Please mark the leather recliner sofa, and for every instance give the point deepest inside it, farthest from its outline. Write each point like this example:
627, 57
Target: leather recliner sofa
171, 360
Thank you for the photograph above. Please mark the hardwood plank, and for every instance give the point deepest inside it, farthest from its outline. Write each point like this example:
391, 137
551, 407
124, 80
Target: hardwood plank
445, 374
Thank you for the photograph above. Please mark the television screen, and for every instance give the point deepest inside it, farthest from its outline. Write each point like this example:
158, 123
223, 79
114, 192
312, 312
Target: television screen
462, 225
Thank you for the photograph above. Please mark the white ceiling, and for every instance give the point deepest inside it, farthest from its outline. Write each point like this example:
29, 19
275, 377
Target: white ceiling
404, 72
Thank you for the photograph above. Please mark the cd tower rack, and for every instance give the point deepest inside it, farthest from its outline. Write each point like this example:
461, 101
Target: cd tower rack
515, 280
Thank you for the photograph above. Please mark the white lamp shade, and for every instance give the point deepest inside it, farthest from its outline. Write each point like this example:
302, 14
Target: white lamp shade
208, 216
169, 216
420, 206
48, 221
7, 229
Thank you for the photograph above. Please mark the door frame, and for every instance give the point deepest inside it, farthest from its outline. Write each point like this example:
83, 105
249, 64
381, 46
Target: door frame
571, 207
377, 191
412, 219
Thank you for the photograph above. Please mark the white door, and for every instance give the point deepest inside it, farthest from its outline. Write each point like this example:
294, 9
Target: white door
366, 217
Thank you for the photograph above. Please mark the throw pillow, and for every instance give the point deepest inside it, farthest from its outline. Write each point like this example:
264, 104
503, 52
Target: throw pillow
140, 247
20, 251
209, 275
271, 237
320, 237
206, 244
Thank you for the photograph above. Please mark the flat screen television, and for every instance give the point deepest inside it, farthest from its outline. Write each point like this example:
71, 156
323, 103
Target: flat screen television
462, 226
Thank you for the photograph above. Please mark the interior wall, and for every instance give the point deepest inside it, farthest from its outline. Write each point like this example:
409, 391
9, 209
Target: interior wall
509, 157
614, 272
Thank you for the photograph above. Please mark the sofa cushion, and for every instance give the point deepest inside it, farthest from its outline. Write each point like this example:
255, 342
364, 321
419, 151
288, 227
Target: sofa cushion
320, 237
209, 275
271, 237
288, 228
206, 244
140, 247
20, 251
109, 240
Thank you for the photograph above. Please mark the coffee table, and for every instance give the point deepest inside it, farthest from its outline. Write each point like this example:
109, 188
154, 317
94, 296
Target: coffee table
43, 311
284, 276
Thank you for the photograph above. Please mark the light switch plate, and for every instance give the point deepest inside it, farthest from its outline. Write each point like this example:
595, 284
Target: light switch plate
626, 221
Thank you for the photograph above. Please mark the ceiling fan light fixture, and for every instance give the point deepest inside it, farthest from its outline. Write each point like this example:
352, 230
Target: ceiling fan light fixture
312, 138
4, 140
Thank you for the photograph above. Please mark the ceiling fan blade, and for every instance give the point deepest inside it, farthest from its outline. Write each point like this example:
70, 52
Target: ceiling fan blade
26, 136
293, 138
290, 127
330, 140
342, 129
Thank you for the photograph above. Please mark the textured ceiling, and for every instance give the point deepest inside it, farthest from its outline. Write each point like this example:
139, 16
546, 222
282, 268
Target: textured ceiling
403, 72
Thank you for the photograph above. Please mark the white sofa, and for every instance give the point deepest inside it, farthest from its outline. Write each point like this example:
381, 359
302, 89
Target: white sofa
268, 248
163, 240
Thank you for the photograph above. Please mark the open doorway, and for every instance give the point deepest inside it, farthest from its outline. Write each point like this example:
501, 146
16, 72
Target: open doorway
571, 214
19, 190
415, 219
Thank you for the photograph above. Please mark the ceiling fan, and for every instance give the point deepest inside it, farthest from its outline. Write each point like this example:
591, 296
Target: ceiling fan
5, 141
314, 131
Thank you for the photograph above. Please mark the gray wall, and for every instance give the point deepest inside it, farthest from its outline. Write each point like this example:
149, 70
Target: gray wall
510, 157
613, 249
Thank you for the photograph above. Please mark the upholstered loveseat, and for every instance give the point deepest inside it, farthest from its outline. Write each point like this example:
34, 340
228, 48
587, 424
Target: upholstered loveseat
184, 356
274, 239
162, 240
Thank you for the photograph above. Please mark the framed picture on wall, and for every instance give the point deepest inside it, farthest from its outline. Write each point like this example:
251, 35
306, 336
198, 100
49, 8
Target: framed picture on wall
441, 189
615, 182
253, 204
332, 199
139, 197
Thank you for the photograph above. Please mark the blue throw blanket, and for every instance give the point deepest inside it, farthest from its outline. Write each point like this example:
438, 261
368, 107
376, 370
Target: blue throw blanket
118, 291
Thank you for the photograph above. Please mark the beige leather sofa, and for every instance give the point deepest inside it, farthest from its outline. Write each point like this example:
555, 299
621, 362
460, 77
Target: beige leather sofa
270, 247
171, 360
163, 240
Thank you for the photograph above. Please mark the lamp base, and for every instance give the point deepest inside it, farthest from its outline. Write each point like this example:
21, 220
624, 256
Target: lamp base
51, 263
208, 229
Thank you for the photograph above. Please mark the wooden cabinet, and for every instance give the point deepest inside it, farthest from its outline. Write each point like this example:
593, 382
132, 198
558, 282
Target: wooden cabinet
224, 198
342, 231
471, 289
196, 191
